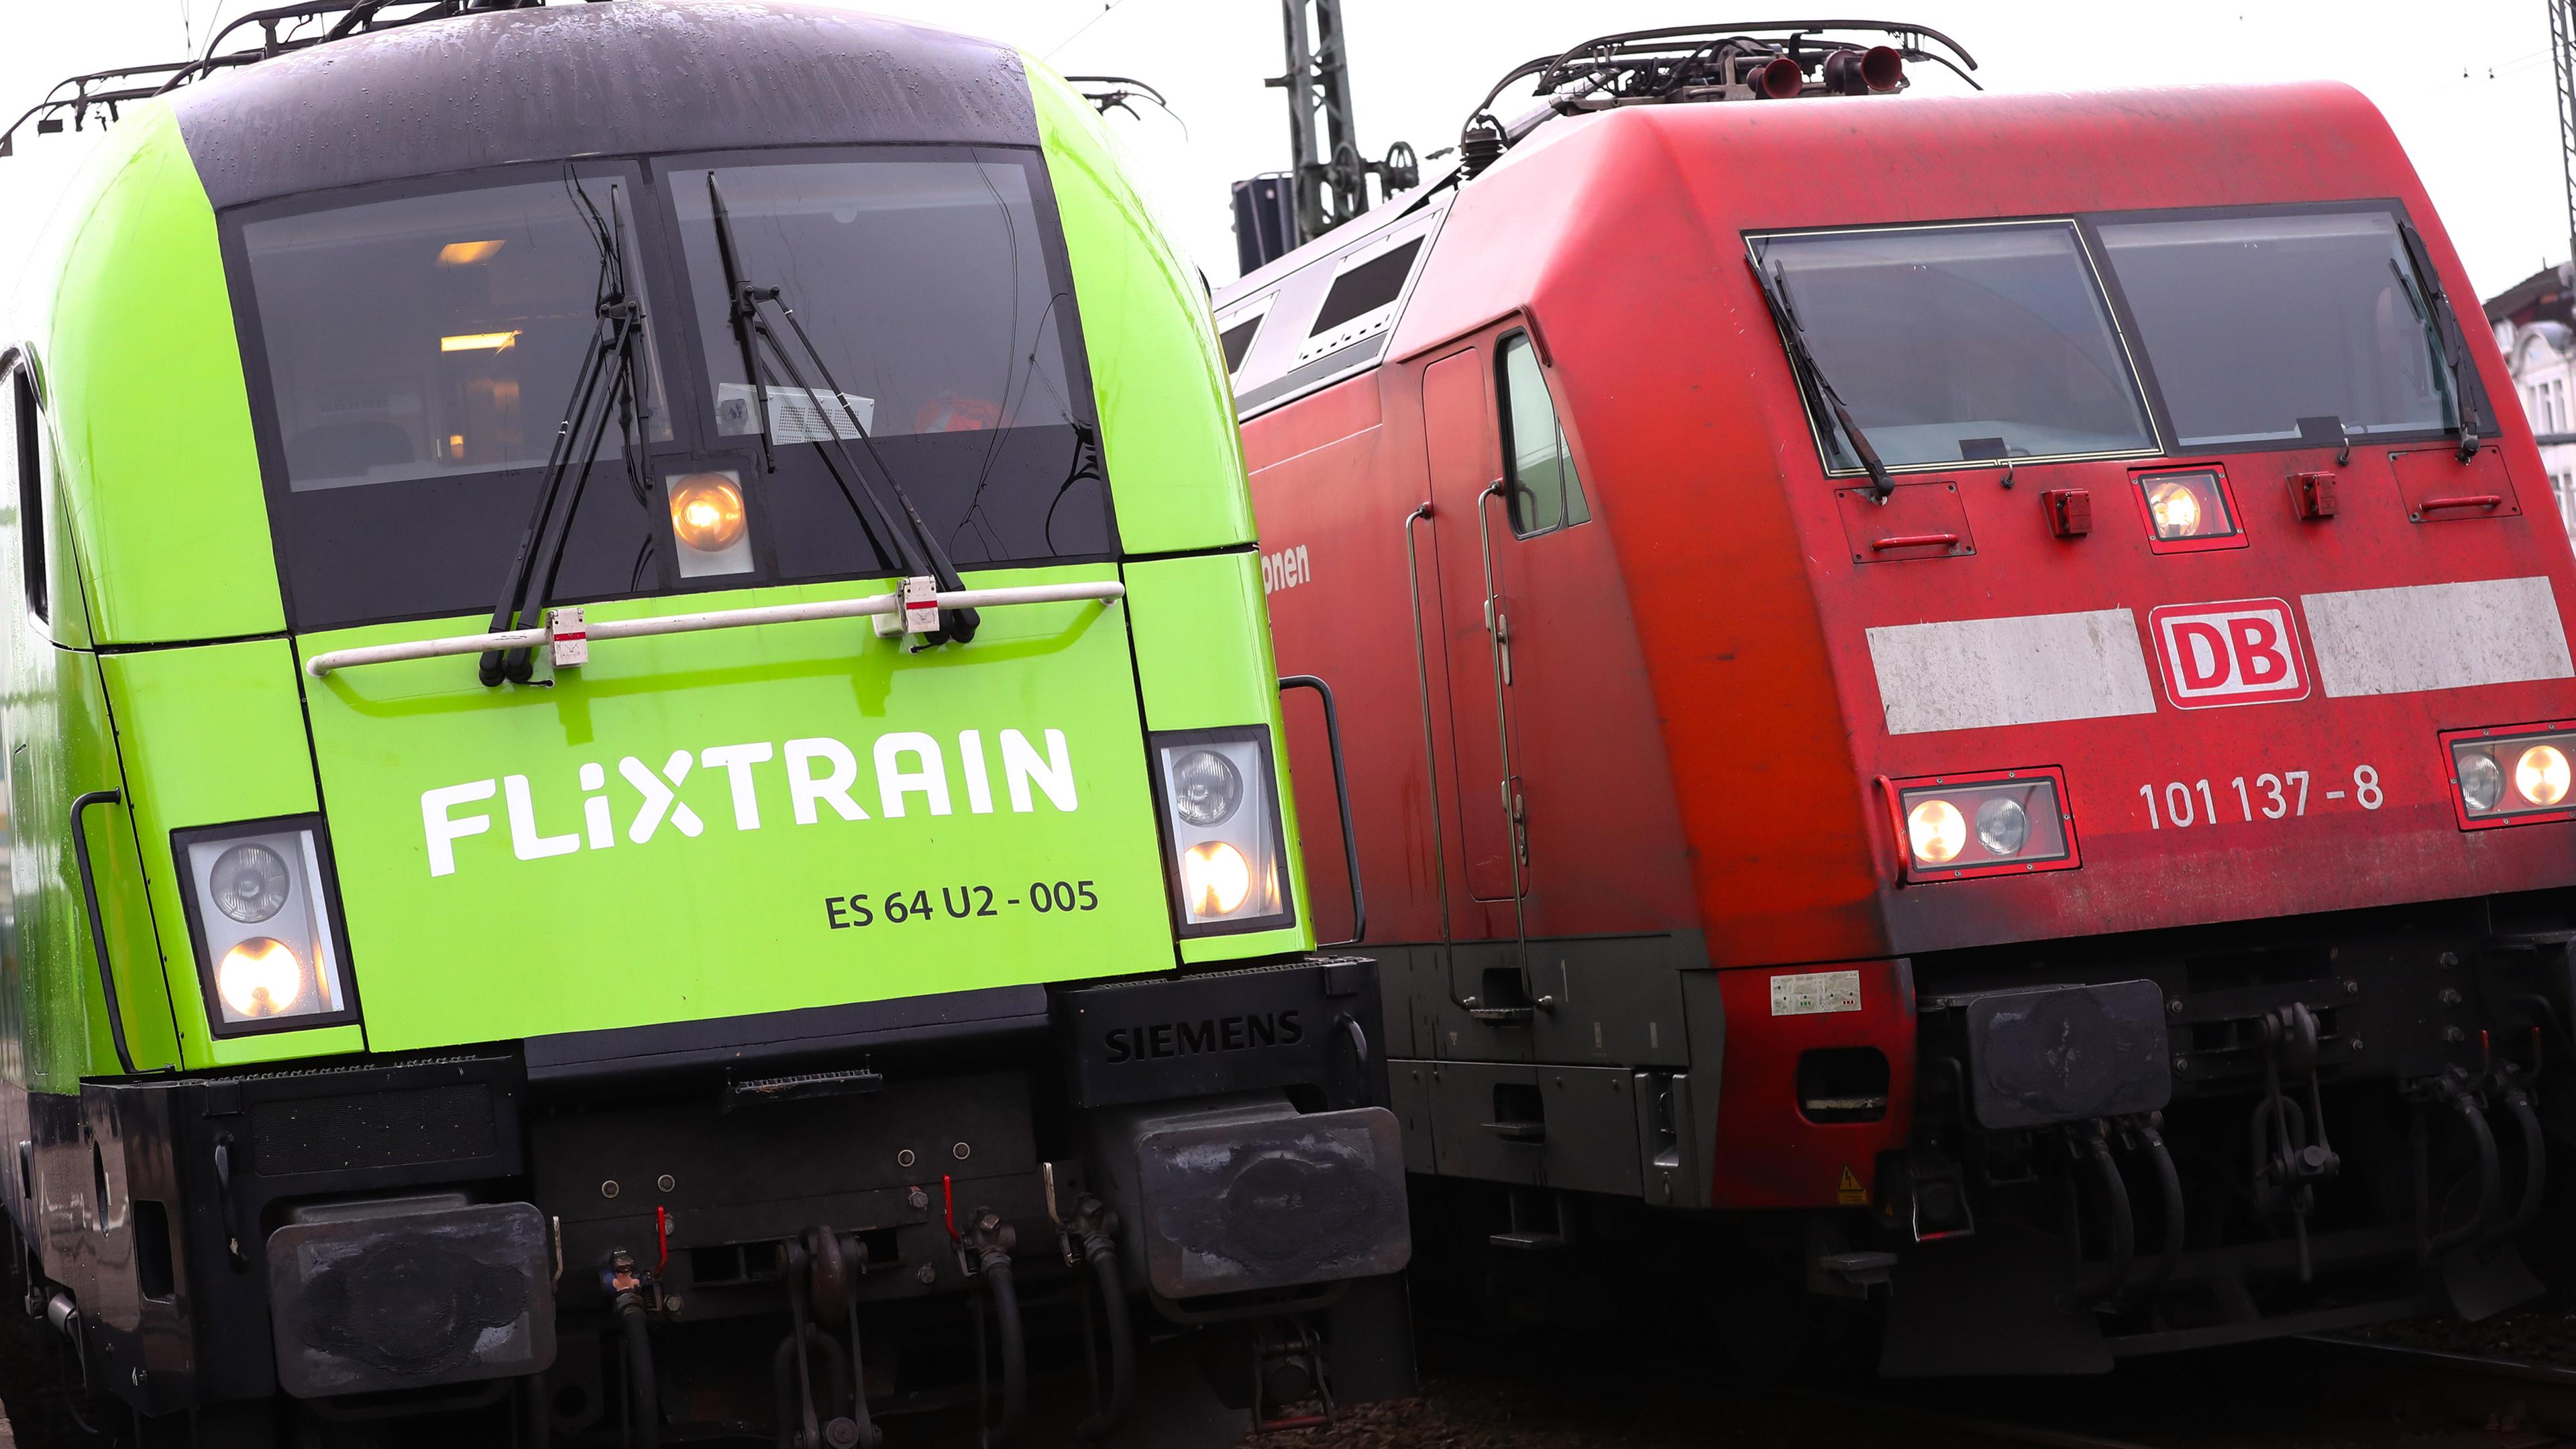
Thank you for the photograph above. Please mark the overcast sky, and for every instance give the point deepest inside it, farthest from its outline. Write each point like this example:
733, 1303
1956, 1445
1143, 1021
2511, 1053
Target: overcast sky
2467, 84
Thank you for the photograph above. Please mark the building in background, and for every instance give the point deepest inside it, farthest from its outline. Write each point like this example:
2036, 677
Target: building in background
2535, 324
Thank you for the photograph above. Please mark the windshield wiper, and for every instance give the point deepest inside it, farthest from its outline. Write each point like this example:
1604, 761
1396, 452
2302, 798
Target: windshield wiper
2433, 306
615, 358
1775, 291
915, 547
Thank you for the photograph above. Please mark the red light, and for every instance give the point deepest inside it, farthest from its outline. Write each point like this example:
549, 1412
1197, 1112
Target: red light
1778, 79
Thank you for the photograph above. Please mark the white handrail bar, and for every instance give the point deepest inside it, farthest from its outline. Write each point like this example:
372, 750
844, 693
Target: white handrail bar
323, 663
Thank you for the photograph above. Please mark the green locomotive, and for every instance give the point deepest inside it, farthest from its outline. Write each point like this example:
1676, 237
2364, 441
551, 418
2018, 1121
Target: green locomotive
642, 777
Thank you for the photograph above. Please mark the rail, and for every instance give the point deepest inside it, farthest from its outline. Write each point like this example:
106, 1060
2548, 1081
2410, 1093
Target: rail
325, 663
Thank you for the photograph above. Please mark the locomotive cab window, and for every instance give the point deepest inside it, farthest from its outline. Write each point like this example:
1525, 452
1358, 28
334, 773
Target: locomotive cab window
416, 349
1545, 493
2272, 328
1957, 343
24, 459
414, 355
928, 292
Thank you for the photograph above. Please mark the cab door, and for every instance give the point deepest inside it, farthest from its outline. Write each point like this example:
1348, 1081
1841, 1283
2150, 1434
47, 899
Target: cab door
1474, 610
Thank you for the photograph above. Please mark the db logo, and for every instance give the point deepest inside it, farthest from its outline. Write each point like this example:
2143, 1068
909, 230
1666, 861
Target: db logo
2244, 651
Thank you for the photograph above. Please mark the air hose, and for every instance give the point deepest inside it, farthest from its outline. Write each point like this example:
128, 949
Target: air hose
2490, 1174
1112, 1412
646, 1430
994, 1267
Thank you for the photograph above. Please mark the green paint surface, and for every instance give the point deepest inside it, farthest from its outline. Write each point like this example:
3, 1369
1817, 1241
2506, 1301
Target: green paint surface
210, 736
1166, 414
1203, 662
564, 920
146, 398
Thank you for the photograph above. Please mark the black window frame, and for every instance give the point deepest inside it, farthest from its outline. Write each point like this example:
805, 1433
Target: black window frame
660, 258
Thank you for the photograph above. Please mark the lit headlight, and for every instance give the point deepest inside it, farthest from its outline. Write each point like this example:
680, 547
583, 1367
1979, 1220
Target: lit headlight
2510, 775
2190, 508
708, 524
260, 907
1978, 824
1220, 796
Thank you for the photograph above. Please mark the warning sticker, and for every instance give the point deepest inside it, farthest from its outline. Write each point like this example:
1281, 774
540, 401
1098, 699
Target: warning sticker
1815, 992
1849, 1192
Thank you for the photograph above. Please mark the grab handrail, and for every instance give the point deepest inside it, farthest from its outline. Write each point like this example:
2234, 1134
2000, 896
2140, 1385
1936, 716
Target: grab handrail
322, 664
97, 928
1341, 797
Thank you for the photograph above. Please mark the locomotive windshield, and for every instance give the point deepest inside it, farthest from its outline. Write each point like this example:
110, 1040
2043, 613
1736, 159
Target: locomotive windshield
478, 307
1961, 342
2270, 328
924, 290
415, 351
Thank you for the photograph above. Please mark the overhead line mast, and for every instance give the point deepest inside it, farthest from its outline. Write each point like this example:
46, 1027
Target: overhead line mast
1327, 178
2562, 60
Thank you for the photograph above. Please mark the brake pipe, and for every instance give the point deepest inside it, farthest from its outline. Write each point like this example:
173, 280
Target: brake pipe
2490, 1173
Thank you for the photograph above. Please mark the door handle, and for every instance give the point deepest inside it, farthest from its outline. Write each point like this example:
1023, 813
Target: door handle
1518, 1131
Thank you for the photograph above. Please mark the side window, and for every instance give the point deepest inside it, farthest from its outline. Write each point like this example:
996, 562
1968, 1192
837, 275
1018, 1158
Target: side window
1545, 494
22, 473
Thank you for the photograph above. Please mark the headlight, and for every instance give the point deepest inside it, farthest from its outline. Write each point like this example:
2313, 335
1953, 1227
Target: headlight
1981, 824
708, 523
2540, 775
1229, 857
2505, 776
1936, 830
260, 977
2187, 509
260, 907
248, 883
1206, 788
1215, 879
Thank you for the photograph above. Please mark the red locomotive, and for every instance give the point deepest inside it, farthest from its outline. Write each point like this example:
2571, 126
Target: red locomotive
1975, 690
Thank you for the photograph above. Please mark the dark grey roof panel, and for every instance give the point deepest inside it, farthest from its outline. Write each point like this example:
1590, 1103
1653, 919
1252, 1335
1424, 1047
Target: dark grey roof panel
581, 79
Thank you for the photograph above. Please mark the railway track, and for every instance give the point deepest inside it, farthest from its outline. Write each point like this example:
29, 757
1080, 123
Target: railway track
1548, 1390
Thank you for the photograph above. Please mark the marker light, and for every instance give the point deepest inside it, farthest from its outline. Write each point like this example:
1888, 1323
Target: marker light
1215, 878
1937, 830
706, 511
268, 956
2541, 775
2018, 824
1221, 822
467, 253
260, 977
2512, 776
479, 342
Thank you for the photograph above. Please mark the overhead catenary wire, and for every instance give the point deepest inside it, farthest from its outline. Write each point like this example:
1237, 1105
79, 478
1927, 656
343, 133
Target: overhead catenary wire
1105, 7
